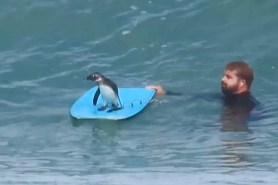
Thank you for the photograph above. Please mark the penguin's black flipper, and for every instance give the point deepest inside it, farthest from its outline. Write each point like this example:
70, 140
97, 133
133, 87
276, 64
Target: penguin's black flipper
96, 96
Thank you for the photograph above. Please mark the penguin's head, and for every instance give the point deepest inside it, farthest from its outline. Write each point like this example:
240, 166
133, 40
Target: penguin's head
97, 77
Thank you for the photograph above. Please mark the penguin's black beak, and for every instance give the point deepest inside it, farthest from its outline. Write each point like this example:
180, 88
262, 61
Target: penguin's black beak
89, 77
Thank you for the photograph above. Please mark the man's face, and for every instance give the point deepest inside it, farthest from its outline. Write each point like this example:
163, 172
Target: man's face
230, 82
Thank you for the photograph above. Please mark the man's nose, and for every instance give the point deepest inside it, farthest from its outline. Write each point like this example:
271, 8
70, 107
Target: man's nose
223, 79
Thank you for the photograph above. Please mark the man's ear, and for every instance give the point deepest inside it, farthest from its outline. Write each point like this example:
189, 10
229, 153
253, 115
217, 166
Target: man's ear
242, 82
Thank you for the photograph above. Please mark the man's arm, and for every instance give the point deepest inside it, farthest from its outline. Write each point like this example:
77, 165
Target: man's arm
158, 88
161, 91
196, 96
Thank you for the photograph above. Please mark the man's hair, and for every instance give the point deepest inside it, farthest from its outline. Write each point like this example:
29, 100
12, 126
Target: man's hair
243, 71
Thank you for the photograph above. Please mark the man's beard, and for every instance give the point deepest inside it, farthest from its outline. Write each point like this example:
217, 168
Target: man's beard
228, 91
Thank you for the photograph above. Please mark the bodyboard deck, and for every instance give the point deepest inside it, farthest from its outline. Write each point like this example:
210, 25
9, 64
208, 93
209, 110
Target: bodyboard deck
133, 100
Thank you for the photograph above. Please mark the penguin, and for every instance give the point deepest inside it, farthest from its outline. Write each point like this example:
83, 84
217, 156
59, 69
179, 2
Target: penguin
108, 90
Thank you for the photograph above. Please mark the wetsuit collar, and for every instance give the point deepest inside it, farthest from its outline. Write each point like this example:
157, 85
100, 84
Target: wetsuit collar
243, 94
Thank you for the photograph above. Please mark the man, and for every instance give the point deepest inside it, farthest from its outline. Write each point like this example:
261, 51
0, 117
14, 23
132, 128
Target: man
237, 99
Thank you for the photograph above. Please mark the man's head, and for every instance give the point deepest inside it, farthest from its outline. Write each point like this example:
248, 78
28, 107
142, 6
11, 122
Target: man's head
238, 77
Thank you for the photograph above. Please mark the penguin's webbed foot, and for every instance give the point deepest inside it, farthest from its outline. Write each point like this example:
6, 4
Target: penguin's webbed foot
114, 108
102, 108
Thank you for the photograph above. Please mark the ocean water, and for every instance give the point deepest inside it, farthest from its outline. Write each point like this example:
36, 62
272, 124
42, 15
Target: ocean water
48, 47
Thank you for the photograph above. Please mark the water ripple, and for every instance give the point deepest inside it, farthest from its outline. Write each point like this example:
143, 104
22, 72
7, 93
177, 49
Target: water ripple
47, 48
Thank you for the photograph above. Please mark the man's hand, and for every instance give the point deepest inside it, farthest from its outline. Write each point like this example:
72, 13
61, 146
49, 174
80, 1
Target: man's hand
159, 89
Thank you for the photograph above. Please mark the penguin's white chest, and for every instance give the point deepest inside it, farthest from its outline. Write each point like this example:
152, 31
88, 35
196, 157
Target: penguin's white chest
108, 94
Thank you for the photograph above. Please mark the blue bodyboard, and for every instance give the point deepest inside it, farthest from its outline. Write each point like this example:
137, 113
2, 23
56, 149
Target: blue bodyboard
133, 100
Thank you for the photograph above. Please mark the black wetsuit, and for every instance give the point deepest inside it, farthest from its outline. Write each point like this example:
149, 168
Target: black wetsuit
236, 108
236, 111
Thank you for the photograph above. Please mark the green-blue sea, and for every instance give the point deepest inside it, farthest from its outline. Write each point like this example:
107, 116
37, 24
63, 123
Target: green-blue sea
47, 47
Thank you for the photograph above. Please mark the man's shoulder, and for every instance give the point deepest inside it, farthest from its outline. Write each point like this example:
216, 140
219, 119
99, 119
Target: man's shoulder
254, 100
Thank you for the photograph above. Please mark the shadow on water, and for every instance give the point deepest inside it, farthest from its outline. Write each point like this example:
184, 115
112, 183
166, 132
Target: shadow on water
238, 129
235, 156
239, 138
99, 127
102, 129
